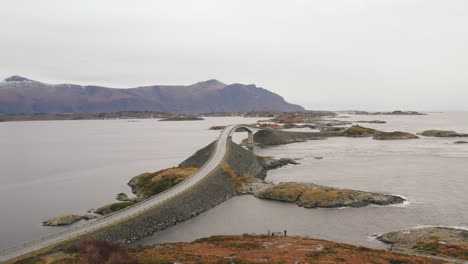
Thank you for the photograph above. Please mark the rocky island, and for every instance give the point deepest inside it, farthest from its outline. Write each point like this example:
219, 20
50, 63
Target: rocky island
359, 131
441, 133
311, 195
277, 137
394, 135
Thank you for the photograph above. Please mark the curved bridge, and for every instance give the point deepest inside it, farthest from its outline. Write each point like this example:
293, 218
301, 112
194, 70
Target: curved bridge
72, 233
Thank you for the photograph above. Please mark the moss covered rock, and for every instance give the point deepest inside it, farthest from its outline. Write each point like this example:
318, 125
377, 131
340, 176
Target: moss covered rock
110, 208
394, 135
66, 219
148, 184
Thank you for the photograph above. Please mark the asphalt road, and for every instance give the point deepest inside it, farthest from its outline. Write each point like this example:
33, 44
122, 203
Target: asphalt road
102, 222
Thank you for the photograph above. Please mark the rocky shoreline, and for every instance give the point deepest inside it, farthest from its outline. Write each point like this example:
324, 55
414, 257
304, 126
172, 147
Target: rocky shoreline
440, 241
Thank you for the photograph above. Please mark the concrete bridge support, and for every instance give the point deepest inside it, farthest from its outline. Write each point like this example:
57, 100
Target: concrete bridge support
251, 139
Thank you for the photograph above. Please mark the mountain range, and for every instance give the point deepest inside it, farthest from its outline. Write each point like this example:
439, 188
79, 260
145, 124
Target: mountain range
22, 95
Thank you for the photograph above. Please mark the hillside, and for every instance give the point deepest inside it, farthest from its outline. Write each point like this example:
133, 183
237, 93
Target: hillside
227, 249
21, 95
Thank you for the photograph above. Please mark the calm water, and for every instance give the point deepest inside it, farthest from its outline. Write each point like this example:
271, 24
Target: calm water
49, 168
57, 167
432, 173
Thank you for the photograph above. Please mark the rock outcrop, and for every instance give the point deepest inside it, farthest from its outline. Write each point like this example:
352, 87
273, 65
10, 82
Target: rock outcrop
271, 164
460, 142
67, 219
359, 131
394, 135
442, 241
217, 128
310, 195
441, 133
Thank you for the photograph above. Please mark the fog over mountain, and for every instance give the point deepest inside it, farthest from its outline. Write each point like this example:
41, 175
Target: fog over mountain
22, 95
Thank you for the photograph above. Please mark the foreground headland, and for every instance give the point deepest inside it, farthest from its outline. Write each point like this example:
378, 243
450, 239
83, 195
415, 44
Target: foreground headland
247, 248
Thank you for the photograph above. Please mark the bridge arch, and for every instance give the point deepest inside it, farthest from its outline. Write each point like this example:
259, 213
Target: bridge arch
246, 128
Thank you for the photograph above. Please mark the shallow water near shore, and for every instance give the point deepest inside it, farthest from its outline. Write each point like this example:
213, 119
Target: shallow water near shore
50, 168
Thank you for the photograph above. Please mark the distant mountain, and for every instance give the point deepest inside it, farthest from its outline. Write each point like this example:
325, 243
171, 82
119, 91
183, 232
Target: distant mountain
21, 95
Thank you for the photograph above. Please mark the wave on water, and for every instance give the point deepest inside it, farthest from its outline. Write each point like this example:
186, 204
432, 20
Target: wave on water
406, 203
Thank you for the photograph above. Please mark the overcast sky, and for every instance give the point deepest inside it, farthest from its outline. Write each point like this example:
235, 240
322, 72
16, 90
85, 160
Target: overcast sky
322, 54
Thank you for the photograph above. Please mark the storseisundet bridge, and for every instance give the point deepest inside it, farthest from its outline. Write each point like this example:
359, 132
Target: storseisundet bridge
121, 216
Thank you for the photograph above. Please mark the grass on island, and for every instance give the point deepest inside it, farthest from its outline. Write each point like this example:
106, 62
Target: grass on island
359, 131
395, 135
149, 184
438, 133
111, 208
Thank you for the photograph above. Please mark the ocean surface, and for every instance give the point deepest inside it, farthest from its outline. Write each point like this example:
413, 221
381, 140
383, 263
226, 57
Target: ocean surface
48, 168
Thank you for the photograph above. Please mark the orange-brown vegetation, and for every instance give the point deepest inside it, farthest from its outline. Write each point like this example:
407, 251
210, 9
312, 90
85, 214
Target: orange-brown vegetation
256, 249
149, 184
238, 180
233, 249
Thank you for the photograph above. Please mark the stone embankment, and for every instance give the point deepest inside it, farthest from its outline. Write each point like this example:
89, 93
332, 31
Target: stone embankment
237, 171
